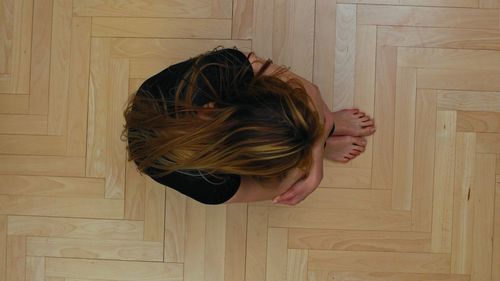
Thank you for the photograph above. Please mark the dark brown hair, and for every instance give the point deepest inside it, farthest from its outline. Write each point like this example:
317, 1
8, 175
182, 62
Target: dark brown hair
263, 129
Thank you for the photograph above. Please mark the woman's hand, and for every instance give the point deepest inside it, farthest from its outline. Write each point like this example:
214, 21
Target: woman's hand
305, 186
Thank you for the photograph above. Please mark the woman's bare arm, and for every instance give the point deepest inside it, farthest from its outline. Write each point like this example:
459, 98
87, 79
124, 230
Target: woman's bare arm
251, 190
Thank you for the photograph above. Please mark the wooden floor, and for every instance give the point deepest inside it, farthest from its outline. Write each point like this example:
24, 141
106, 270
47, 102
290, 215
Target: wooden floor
422, 203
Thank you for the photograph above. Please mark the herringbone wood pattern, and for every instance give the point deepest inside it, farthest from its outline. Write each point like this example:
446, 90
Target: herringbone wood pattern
422, 203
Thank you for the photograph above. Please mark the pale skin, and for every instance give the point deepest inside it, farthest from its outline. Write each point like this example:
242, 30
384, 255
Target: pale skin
345, 144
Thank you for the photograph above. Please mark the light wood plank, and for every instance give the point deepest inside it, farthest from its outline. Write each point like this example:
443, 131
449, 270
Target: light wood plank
463, 206
383, 140
94, 249
33, 145
149, 8
442, 212
404, 133
6, 28
449, 58
345, 57
51, 278
161, 27
469, 101
478, 121
60, 67
14, 104
175, 226
16, 258
236, 232
96, 229
78, 87
169, 48
293, 36
428, 16
221, 8
215, 243
51, 186
438, 3
483, 197
297, 265
364, 86
488, 143
68, 207
194, 247
262, 39
114, 270
459, 79
115, 158
498, 168
42, 165
40, 57
423, 167
23, 124
339, 219
346, 177
496, 232
489, 4
256, 246
350, 240
97, 107
379, 261
242, 25
3, 247
319, 275
277, 254
21, 49
35, 269
324, 49
439, 37
390, 276
154, 211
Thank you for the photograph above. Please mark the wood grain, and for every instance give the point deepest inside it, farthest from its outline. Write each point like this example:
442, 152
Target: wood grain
428, 16
442, 212
117, 270
345, 48
404, 133
423, 168
482, 231
420, 203
463, 206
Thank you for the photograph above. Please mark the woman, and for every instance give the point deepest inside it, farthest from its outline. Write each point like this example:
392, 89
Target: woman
228, 127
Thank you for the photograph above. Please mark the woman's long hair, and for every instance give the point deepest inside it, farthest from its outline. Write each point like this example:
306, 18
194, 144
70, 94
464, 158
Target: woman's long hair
264, 129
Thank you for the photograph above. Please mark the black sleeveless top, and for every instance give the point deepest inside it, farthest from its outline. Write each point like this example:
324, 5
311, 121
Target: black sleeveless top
204, 188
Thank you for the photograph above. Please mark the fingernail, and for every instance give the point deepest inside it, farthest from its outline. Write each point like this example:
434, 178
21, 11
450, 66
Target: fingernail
275, 200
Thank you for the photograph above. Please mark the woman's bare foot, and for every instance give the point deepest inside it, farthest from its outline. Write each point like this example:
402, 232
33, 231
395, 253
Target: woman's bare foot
352, 122
344, 148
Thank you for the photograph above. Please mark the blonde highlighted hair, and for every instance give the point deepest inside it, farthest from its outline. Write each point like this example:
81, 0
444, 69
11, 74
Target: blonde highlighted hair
263, 130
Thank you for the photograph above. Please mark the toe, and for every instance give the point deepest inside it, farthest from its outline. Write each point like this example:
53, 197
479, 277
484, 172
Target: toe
368, 122
360, 148
344, 160
364, 119
367, 131
359, 114
355, 152
358, 141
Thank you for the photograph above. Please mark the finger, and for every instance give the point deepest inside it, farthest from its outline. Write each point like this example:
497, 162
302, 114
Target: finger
287, 196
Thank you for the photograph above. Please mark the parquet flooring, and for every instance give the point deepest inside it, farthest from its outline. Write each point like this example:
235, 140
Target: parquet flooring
422, 203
